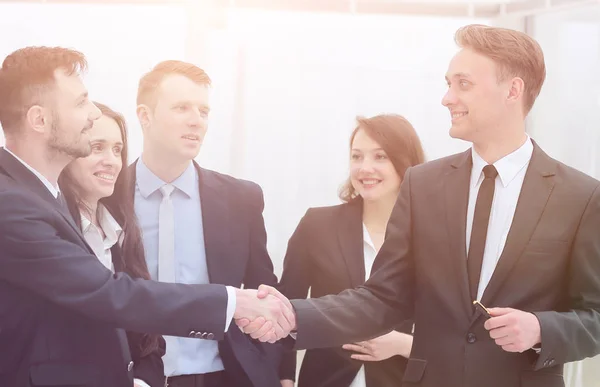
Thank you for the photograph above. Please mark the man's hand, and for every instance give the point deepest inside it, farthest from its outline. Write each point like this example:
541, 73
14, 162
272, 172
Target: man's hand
287, 383
513, 330
269, 318
258, 326
382, 347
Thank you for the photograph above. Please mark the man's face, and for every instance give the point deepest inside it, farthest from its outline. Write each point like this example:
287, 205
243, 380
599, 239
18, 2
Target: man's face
475, 97
72, 116
179, 120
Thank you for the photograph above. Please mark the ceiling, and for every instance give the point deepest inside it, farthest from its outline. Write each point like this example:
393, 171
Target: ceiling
469, 8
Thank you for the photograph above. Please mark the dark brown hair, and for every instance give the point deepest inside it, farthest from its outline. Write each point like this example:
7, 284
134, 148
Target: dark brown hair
150, 82
27, 75
397, 138
120, 205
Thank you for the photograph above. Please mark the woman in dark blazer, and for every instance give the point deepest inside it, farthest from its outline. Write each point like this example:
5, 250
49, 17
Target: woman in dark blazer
94, 188
333, 249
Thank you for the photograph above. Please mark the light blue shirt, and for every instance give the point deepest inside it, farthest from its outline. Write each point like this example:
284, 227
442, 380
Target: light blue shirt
195, 356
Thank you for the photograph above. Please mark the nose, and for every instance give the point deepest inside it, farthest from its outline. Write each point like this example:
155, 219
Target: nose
366, 165
110, 159
195, 118
449, 98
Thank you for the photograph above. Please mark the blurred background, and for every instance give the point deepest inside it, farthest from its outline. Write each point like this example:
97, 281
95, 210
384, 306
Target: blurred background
290, 76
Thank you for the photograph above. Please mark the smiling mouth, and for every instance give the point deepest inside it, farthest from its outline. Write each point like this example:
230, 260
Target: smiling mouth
457, 115
370, 182
191, 137
105, 176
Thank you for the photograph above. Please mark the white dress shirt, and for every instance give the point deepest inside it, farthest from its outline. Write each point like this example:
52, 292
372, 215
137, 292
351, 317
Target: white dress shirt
511, 174
369, 253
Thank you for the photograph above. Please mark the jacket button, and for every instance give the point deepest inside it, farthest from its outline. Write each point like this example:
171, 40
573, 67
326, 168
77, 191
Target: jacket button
210, 336
192, 334
471, 338
130, 366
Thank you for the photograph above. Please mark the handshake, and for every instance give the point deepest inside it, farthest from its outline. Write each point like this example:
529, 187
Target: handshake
264, 314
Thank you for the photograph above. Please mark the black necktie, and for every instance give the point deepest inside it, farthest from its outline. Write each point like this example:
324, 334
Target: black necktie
481, 219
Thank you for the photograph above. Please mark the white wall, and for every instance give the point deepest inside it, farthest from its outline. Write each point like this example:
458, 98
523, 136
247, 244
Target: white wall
566, 117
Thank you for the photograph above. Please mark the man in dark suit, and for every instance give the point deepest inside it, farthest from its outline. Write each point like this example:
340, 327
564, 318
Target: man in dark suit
502, 223
199, 226
61, 311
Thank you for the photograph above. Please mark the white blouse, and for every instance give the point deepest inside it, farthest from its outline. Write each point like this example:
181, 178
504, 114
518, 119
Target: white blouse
370, 252
100, 244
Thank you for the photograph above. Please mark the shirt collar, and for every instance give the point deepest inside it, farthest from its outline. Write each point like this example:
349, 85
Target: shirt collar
53, 190
508, 167
111, 228
367, 237
148, 182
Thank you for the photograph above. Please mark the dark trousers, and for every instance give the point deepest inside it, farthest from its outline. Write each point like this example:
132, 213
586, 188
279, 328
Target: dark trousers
213, 379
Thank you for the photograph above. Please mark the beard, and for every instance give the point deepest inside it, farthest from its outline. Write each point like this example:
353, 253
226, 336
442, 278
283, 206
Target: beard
60, 145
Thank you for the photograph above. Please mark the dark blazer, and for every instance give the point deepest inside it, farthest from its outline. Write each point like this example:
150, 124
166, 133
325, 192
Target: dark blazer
147, 367
60, 308
236, 254
326, 254
550, 266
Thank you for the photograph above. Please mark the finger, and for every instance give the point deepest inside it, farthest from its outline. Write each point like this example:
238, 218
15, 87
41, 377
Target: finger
267, 326
363, 357
498, 322
495, 312
263, 291
283, 318
242, 322
355, 348
268, 338
254, 325
279, 332
504, 341
510, 348
499, 333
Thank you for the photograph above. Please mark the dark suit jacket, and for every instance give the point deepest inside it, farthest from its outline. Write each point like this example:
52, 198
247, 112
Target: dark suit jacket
236, 255
147, 367
326, 254
60, 308
550, 266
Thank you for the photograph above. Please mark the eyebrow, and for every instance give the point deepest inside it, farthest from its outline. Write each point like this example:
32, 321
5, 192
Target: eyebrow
369, 150
459, 75
103, 141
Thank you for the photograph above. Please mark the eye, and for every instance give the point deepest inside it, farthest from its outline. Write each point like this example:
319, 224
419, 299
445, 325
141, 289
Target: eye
96, 147
381, 156
355, 156
463, 83
181, 108
117, 150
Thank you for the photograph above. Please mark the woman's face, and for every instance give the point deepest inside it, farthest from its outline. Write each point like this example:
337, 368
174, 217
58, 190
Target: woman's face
96, 174
372, 173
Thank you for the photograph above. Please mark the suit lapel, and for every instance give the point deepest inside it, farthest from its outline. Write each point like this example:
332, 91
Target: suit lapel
456, 193
350, 238
536, 190
15, 169
222, 259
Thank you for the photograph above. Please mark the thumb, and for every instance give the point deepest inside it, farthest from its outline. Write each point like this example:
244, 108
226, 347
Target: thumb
263, 291
495, 312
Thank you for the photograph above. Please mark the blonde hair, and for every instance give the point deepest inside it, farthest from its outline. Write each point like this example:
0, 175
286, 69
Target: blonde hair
515, 53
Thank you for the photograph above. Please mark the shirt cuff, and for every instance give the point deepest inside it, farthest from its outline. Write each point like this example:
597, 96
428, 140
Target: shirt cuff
141, 383
231, 304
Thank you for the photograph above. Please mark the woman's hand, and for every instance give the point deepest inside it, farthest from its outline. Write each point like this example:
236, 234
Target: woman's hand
382, 347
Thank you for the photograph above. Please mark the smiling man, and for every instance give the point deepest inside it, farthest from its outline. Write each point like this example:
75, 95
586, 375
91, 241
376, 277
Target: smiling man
199, 226
502, 223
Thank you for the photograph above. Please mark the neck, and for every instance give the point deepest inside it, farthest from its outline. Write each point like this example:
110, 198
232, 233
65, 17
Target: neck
376, 214
47, 163
507, 142
164, 169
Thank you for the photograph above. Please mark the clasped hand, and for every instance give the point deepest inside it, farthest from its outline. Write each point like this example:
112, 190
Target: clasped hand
264, 314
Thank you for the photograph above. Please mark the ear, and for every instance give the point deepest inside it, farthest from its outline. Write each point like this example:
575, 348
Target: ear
38, 118
143, 113
516, 88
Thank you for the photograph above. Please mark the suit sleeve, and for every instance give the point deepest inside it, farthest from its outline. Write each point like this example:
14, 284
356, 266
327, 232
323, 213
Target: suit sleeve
378, 306
295, 283
36, 258
575, 335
